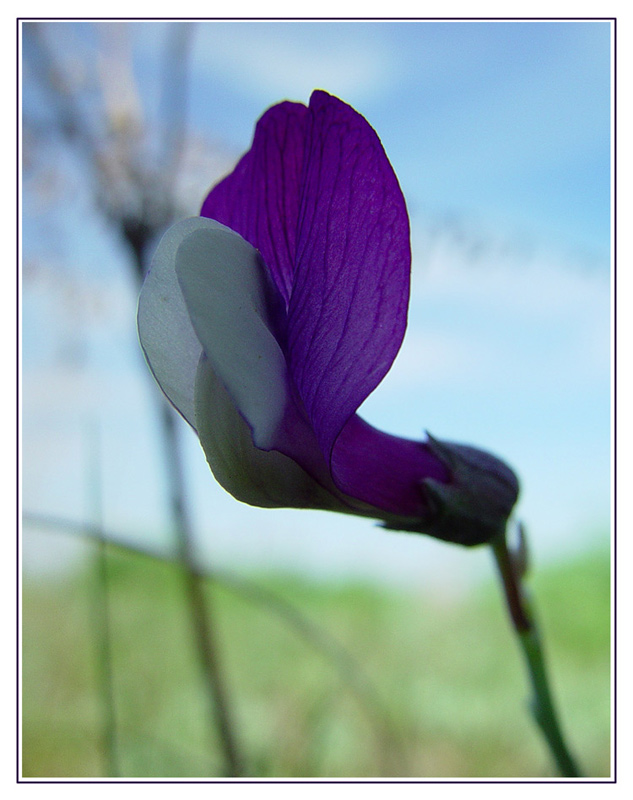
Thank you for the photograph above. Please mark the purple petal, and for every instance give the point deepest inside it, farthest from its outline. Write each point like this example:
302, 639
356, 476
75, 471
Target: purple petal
317, 196
348, 308
384, 471
260, 199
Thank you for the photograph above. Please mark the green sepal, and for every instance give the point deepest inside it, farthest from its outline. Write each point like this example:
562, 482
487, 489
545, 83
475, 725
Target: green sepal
474, 505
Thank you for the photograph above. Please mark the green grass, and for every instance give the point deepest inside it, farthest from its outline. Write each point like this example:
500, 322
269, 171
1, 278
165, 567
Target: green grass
448, 689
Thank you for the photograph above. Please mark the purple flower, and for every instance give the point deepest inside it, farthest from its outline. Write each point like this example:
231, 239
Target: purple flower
271, 317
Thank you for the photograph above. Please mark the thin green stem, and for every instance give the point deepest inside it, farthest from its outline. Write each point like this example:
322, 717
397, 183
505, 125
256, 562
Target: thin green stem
542, 704
105, 677
101, 613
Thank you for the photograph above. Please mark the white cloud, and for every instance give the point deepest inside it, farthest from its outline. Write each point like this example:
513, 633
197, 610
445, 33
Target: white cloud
543, 315
262, 57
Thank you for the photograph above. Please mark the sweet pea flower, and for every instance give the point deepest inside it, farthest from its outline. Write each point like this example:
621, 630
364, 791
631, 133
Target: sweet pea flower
269, 319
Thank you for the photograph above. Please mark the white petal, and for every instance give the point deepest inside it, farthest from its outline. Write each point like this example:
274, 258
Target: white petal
258, 477
169, 342
229, 298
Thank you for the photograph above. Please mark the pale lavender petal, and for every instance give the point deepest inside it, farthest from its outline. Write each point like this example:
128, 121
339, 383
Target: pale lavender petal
258, 477
383, 470
234, 309
260, 199
348, 308
170, 345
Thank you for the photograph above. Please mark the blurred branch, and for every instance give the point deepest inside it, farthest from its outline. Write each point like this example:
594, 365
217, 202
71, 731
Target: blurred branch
174, 100
56, 84
134, 188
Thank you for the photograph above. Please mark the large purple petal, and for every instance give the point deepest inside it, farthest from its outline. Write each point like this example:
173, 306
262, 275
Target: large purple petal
260, 199
317, 196
348, 308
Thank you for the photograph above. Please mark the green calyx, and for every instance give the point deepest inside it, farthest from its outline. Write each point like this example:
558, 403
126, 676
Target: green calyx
474, 505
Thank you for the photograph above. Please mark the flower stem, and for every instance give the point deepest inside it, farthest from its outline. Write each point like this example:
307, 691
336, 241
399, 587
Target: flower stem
511, 571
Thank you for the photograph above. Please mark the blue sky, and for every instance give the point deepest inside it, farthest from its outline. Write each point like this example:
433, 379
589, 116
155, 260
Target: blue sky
508, 121
500, 135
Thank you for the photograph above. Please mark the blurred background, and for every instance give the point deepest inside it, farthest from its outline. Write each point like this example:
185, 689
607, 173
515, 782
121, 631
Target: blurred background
500, 134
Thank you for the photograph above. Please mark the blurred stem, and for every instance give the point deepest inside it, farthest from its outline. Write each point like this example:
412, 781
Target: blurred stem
174, 98
101, 615
200, 615
199, 606
391, 744
511, 570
